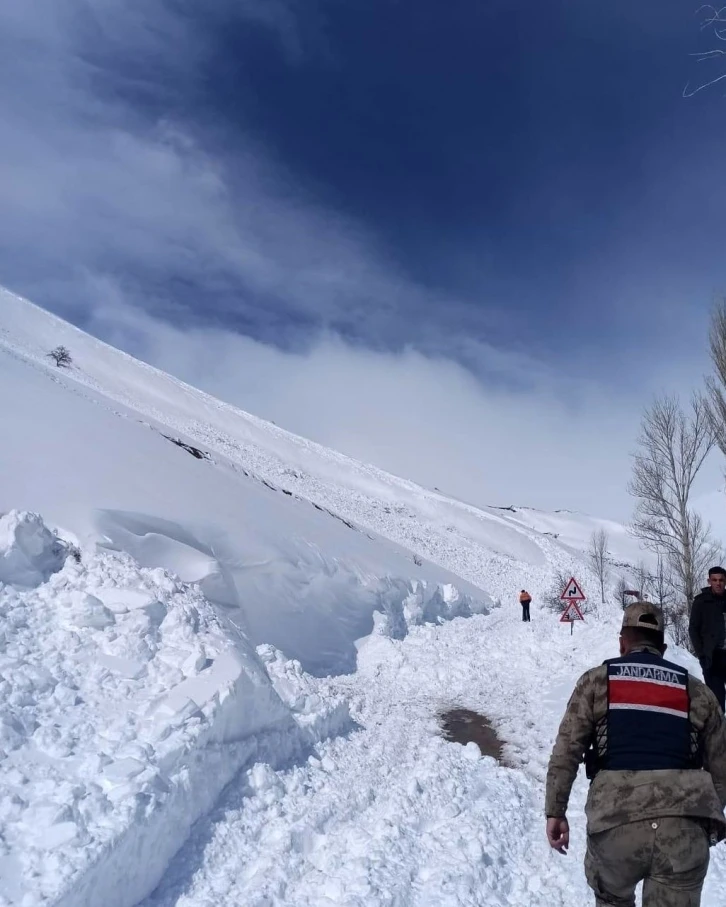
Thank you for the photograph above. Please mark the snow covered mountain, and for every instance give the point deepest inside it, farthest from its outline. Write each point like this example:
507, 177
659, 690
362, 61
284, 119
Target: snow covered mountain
458, 536
211, 600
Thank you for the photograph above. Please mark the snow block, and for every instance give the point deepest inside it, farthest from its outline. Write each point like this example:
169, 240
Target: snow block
408, 603
88, 611
29, 552
319, 717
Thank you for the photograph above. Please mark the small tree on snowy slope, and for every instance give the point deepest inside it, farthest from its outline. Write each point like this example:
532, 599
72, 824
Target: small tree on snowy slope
61, 356
642, 580
554, 591
672, 448
621, 592
598, 554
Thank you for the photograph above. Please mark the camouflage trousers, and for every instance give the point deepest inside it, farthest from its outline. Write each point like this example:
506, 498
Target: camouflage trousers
669, 855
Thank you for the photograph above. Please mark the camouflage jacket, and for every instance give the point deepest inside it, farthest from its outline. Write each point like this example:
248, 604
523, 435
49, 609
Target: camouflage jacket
619, 797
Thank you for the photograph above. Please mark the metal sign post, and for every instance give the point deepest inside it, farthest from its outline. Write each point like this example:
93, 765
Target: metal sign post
571, 595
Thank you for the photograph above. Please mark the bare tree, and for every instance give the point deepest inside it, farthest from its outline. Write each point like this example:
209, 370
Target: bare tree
675, 613
662, 583
713, 22
598, 554
673, 446
61, 356
642, 580
717, 383
621, 591
552, 597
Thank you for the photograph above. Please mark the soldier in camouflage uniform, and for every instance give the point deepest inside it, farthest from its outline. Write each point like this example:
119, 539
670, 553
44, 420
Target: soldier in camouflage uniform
654, 744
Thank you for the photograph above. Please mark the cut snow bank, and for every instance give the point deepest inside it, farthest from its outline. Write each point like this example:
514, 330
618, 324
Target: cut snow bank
128, 701
310, 599
125, 706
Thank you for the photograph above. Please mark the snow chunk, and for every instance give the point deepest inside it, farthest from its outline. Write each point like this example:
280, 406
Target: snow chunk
88, 611
121, 601
29, 552
319, 715
123, 770
124, 667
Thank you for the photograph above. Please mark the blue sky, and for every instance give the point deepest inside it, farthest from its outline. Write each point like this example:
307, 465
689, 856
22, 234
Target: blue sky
517, 196
514, 156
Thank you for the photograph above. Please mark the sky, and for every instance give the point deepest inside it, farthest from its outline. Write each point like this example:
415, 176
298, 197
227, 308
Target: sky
466, 241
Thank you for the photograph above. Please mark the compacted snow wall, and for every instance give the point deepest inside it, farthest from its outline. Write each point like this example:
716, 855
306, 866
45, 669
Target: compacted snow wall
128, 701
125, 707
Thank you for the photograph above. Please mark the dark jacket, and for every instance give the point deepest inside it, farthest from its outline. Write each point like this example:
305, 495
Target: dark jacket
706, 627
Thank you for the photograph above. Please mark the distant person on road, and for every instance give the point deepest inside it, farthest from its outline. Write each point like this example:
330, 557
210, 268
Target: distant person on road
525, 600
654, 745
707, 629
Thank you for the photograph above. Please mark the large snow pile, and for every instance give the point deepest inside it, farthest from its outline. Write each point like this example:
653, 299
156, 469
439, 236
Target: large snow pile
125, 706
312, 600
288, 572
127, 702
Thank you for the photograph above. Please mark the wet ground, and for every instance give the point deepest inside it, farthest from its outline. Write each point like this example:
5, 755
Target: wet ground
464, 726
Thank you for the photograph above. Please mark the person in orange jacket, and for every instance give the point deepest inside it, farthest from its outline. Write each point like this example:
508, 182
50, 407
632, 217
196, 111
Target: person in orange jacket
525, 600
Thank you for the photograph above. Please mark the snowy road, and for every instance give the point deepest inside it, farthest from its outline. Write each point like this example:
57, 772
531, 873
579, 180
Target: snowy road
392, 814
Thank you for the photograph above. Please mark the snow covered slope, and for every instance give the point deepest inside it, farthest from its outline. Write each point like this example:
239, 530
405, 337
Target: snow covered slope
574, 531
486, 546
210, 599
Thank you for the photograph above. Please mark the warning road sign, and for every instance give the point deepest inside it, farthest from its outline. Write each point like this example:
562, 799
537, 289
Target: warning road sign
573, 592
571, 612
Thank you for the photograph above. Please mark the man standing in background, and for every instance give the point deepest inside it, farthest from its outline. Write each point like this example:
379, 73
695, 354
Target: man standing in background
525, 599
707, 629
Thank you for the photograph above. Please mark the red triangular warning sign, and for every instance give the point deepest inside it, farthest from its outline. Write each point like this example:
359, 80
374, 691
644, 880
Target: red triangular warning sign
573, 592
571, 612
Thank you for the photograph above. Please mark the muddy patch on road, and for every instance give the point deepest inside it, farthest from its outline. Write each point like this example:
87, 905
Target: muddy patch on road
464, 726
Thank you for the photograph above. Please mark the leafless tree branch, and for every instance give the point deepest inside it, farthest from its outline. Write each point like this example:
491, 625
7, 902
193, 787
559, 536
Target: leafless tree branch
598, 554
713, 20
672, 448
